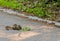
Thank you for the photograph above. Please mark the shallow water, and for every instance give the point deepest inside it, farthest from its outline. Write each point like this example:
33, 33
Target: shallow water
47, 32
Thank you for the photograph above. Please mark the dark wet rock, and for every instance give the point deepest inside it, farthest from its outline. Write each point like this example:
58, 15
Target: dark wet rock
16, 27
8, 27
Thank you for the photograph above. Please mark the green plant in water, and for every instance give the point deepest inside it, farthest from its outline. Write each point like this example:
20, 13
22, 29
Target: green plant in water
25, 29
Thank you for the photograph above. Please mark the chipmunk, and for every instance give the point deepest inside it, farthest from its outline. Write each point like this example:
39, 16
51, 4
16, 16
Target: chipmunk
14, 27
